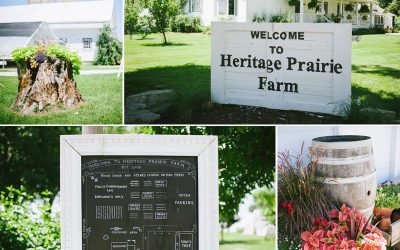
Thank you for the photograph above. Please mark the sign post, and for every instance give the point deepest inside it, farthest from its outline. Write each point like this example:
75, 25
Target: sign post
139, 192
288, 66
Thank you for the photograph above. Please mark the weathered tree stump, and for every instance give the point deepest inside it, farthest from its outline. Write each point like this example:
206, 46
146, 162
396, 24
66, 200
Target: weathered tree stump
47, 84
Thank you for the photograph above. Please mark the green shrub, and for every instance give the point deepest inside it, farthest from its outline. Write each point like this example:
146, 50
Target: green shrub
110, 49
369, 31
262, 18
52, 51
26, 223
185, 23
279, 18
388, 196
265, 200
145, 26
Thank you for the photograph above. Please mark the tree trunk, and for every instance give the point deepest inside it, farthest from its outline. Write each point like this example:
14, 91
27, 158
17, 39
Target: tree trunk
165, 37
89, 130
47, 85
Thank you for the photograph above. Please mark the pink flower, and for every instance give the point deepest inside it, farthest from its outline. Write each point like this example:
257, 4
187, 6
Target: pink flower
311, 241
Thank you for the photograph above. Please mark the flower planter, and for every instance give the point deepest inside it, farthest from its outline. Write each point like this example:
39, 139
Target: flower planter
45, 80
390, 223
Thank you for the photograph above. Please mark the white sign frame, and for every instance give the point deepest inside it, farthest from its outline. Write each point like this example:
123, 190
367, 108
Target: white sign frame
72, 147
229, 85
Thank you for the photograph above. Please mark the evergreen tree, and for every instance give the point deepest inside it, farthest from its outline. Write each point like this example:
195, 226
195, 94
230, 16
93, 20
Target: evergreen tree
110, 49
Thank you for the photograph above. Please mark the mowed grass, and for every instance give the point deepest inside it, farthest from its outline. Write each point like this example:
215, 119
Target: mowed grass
102, 95
243, 242
184, 66
376, 71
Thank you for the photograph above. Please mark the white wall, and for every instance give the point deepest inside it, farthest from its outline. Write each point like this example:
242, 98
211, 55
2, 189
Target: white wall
385, 139
75, 41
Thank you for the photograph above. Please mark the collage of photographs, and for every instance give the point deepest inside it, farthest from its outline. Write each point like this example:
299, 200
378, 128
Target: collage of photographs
200, 124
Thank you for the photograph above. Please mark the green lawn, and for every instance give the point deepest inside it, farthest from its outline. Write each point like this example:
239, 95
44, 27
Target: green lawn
102, 95
243, 242
184, 66
376, 71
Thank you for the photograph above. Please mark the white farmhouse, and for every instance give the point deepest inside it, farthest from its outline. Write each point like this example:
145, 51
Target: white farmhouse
75, 24
246, 10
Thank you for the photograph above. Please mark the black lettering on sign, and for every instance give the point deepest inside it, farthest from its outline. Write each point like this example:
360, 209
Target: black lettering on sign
139, 202
290, 35
277, 86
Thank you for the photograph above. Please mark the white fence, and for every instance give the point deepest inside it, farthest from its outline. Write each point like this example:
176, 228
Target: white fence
386, 143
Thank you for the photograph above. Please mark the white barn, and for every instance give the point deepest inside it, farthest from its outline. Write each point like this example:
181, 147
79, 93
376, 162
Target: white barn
75, 24
17, 35
385, 142
246, 10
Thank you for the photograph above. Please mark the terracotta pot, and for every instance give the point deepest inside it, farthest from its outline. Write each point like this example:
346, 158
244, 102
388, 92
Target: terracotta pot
383, 212
385, 223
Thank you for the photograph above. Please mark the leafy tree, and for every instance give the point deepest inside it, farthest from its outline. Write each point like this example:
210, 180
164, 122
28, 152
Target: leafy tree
110, 49
394, 7
163, 11
29, 156
384, 3
246, 161
131, 17
265, 200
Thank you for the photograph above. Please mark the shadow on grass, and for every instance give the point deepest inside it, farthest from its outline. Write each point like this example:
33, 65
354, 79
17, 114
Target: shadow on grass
376, 70
190, 82
380, 99
165, 44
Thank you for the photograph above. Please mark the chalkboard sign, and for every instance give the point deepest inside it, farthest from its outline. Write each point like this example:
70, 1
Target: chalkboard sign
139, 192
139, 203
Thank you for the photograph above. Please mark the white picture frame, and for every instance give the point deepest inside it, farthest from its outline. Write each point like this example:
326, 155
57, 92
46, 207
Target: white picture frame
72, 147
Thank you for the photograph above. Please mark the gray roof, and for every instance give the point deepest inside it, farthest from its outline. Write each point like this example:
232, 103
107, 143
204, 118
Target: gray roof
18, 29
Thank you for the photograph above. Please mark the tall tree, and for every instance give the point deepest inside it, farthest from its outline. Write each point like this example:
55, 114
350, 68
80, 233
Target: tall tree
163, 11
246, 161
30, 156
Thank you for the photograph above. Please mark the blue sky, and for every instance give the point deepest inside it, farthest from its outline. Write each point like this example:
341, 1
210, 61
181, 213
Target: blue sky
118, 7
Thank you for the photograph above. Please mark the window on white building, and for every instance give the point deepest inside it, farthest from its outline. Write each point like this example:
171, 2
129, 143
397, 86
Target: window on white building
195, 5
326, 7
87, 43
232, 7
63, 40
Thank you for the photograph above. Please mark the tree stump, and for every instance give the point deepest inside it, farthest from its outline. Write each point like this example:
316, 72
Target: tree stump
47, 84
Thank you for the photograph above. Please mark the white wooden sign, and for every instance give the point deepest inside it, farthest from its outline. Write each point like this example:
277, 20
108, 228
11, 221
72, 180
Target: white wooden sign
292, 66
111, 185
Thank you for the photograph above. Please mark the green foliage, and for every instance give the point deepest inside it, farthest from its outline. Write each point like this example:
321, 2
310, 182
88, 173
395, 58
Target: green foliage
349, 7
384, 3
132, 10
299, 186
163, 12
312, 4
357, 111
262, 18
110, 49
289, 243
294, 2
244, 163
364, 9
388, 196
368, 31
185, 23
29, 156
265, 200
279, 18
26, 223
394, 7
52, 51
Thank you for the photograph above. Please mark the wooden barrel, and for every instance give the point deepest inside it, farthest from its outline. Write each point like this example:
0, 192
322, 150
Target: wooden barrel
346, 167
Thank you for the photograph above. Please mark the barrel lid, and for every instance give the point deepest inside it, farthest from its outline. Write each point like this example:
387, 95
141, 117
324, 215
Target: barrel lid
342, 138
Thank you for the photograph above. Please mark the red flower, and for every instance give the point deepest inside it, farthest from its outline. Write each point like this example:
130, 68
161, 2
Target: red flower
289, 206
311, 241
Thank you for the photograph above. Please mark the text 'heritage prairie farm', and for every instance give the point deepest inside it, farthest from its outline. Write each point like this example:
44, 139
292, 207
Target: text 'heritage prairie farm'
270, 65
285, 66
